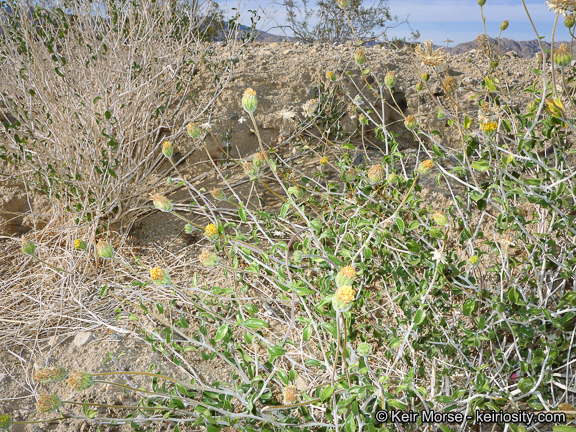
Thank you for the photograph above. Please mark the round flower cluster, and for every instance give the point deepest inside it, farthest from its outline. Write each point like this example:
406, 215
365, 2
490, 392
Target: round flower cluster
50, 375
80, 381
211, 232
343, 298
160, 277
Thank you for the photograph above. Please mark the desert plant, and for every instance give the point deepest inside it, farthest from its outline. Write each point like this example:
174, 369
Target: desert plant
330, 25
88, 95
355, 295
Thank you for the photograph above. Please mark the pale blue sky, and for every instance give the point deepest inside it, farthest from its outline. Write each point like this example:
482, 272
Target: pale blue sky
459, 20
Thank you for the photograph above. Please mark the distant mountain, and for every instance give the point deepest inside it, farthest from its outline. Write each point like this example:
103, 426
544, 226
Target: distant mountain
526, 49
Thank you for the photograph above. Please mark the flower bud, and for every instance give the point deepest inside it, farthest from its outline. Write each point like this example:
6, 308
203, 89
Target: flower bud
562, 56
169, 181
410, 122
345, 276
360, 57
474, 260
440, 218
364, 349
425, 166
193, 130
532, 107
208, 259
521, 429
218, 194
28, 247
392, 178
425, 77
295, 191
167, 149
160, 277
419, 86
376, 174
363, 119
481, 2
48, 403
350, 175
504, 25
258, 159
80, 244
297, 256
250, 170
569, 21
343, 298
5, 421
104, 250
188, 228
249, 101
343, 4
80, 381
50, 375
440, 114
331, 76
390, 79
161, 203
211, 232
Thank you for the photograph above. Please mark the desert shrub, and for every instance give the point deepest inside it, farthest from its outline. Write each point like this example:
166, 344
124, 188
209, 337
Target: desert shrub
89, 91
354, 294
366, 21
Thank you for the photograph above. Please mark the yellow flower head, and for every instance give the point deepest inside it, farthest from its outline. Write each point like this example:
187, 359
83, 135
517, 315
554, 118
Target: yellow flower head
211, 230
156, 273
323, 160
348, 271
249, 101
167, 149
345, 294
331, 76
425, 166
489, 128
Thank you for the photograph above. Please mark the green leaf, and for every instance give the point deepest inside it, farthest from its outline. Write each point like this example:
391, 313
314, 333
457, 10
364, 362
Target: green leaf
307, 333
57, 69
221, 333
526, 384
444, 399
467, 122
395, 403
348, 146
326, 393
255, 323
481, 165
350, 425
469, 306
563, 428
284, 211
420, 316
242, 214
302, 291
